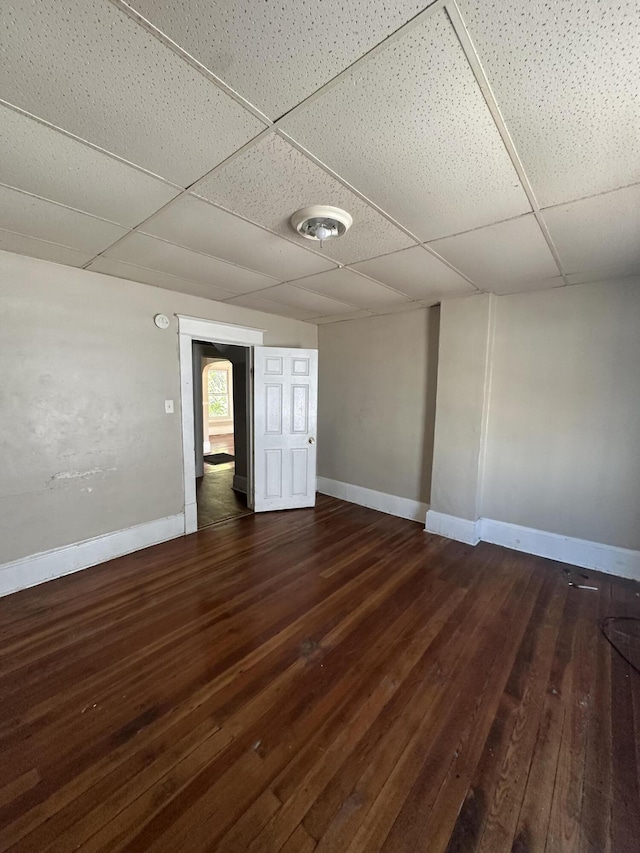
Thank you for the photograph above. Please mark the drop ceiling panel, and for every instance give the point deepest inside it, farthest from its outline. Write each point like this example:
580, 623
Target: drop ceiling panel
198, 225
250, 301
502, 258
401, 309
42, 161
88, 68
566, 75
275, 54
592, 278
157, 279
599, 234
272, 179
151, 253
35, 217
528, 286
288, 294
352, 288
22, 245
339, 318
410, 129
418, 274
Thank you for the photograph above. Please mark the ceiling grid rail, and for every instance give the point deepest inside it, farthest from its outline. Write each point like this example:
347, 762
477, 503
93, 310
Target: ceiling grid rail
274, 124
466, 42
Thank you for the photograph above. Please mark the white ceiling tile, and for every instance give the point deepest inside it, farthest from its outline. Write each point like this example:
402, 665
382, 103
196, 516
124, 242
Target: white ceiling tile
271, 180
288, 294
417, 273
411, 130
35, 217
603, 277
339, 318
198, 225
157, 279
93, 71
599, 234
23, 245
352, 288
151, 253
250, 301
42, 161
566, 75
275, 54
501, 258
400, 309
527, 286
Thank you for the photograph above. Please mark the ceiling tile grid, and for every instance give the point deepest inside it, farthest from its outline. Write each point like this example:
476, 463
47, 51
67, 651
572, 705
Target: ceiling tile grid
198, 225
348, 286
401, 309
418, 274
88, 68
411, 130
250, 301
22, 244
34, 217
119, 269
304, 50
502, 258
151, 253
105, 120
269, 181
340, 318
317, 304
43, 161
614, 217
566, 74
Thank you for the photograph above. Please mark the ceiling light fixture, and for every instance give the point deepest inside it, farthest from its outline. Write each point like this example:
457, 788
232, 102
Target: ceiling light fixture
321, 222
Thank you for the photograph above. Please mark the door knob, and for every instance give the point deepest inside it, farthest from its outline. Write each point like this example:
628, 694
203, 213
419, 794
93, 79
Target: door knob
312, 440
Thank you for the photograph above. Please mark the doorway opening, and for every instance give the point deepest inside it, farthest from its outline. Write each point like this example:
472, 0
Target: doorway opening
221, 420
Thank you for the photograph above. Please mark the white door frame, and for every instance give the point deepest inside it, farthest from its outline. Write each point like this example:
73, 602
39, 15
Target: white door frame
195, 329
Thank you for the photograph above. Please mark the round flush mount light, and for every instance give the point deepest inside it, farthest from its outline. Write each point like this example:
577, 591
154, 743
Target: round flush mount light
321, 222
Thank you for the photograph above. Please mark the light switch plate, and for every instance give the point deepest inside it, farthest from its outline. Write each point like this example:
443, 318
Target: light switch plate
168, 407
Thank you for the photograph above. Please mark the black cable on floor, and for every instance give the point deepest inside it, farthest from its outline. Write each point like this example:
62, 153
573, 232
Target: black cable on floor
603, 627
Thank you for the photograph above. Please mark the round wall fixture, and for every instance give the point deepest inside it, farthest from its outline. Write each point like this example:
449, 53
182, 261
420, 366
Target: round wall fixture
321, 222
161, 321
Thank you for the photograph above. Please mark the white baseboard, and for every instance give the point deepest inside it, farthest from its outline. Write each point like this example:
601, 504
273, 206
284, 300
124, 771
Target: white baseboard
566, 549
239, 484
610, 559
391, 504
452, 527
29, 571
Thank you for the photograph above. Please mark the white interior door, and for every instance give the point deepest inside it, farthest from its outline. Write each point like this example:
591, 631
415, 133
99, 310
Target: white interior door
285, 407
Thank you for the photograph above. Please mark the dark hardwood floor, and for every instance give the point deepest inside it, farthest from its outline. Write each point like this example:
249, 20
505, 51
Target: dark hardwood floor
318, 680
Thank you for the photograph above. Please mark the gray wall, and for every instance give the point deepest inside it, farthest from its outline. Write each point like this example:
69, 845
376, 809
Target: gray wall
563, 441
86, 446
376, 402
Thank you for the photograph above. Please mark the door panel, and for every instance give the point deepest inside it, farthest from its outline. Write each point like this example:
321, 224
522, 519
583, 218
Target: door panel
285, 407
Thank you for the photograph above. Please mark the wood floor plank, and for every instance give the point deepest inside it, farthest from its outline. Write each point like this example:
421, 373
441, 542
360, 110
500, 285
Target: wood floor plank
565, 828
331, 679
533, 820
496, 786
382, 797
625, 792
597, 792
